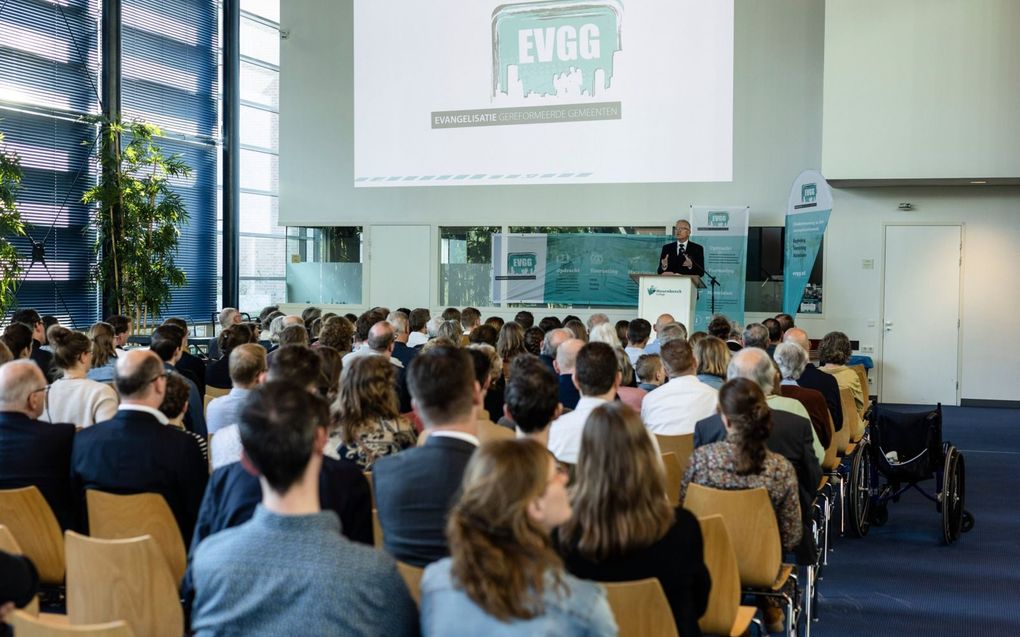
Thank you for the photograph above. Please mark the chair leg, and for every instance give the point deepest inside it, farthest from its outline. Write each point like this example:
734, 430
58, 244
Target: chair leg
808, 594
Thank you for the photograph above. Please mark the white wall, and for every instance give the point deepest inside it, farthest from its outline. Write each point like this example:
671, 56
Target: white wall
777, 133
921, 89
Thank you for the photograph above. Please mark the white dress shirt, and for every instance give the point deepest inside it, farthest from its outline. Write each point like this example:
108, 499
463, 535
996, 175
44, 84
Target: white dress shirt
565, 432
674, 408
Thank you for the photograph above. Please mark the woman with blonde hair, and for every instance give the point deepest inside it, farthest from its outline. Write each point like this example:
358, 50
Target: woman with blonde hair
367, 424
104, 352
503, 576
624, 527
713, 357
510, 344
73, 397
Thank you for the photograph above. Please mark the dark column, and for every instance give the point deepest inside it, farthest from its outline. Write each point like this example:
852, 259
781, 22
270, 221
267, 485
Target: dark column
110, 146
231, 151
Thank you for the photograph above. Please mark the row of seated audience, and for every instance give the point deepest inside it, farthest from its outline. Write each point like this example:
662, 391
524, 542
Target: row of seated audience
431, 408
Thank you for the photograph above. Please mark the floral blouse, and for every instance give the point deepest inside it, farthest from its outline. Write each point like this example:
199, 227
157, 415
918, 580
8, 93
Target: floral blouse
387, 437
714, 466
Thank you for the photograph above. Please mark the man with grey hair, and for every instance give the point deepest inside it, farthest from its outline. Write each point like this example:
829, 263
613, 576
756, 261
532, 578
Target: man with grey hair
669, 332
32, 452
433, 326
596, 319
814, 378
380, 342
791, 359
791, 437
551, 343
401, 332
135, 451
566, 360
756, 335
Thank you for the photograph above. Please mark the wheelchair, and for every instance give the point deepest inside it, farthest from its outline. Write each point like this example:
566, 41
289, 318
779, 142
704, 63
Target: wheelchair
898, 451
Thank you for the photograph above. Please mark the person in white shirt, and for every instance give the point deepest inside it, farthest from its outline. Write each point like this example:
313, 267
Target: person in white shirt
638, 332
417, 321
74, 398
674, 408
597, 377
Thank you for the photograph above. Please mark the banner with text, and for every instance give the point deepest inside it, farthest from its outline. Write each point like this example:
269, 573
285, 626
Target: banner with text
571, 269
722, 232
807, 215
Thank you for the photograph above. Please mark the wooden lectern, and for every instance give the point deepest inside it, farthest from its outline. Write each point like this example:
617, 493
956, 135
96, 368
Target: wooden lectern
675, 294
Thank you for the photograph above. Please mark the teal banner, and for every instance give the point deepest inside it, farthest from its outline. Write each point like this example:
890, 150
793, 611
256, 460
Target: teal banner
722, 232
806, 219
594, 269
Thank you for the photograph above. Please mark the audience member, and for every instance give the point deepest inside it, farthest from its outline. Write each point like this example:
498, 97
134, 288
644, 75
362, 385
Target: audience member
628, 391
597, 377
577, 328
650, 371
470, 318
401, 332
5, 354
33, 452
365, 418
564, 366
19, 583
674, 408
190, 366
104, 352
417, 321
833, 356
484, 333
451, 330
550, 342
218, 373
721, 328
493, 389
18, 340
290, 549
496, 322
48, 321
174, 406
510, 343
331, 365
379, 341
623, 527
791, 360
525, 319
638, 333
696, 338
785, 322
595, 320
669, 332
814, 378
123, 327
622, 327
247, 369
549, 323
31, 319
504, 576
532, 399
227, 317
533, 339
135, 452
775, 335
415, 488
654, 346
743, 461
604, 333
73, 397
713, 356
168, 343
756, 335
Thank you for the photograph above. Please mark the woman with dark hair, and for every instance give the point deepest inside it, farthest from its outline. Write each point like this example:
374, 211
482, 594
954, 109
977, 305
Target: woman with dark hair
367, 424
713, 357
510, 344
503, 576
329, 378
533, 337
833, 355
623, 527
217, 374
742, 461
175, 405
577, 328
73, 397
104, 352
18, 339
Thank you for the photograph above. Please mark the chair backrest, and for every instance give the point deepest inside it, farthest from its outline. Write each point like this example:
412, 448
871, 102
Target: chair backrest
831, 459
30, 520
412, 577
377, 531
674, 474
682, 446
640, 608
9, 545
117, 517
216, 392
128, 579
27, 626
863, 375
851, 419
751, 524
721, 562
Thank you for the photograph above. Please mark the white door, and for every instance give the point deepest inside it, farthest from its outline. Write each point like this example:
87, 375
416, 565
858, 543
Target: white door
921, 322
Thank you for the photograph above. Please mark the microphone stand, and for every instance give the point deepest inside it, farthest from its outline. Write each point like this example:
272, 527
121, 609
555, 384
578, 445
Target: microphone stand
713, 282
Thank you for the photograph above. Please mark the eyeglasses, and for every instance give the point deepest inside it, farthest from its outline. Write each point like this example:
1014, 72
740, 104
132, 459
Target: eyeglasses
165, 374
36, 391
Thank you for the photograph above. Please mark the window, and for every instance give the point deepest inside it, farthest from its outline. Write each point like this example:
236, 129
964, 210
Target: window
764, 280
324, 265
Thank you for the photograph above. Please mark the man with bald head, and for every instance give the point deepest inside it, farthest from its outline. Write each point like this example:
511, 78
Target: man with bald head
551, 343
135, 452
666, 329
379, 341
566, 359
814, 378
33, 453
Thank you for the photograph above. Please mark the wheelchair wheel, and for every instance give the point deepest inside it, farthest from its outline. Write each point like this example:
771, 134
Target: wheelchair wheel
952, 497
859, 491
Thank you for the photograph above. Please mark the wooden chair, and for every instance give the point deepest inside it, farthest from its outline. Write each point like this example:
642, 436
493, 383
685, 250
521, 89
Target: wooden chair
640, 608
751, 524
682, 446
27, 626
674, 474
852, 421
128, 579
30, 520
117, 517
377, 532
9, 545
412, 577
863, 375
724, 615
216, 392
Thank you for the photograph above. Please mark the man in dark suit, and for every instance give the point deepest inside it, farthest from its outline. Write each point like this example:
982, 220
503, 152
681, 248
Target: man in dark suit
135, 451
792, 437
33, 452
401, 352
31, 319
814, 378
168, 343
414, 489
190, 366
682, 256
566, 359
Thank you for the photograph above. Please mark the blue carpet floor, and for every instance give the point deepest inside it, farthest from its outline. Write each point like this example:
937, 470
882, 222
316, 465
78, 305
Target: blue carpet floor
902, 580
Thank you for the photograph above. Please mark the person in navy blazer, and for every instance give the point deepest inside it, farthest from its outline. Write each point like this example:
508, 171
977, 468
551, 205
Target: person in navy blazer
135, 451
415, 488
33, 452
682, 256
814, 378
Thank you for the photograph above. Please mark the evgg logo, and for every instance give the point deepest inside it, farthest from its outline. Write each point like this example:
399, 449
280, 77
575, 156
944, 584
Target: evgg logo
554, 43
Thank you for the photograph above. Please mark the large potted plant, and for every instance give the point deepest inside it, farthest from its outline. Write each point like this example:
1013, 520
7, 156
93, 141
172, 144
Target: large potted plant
11, 225
138, 221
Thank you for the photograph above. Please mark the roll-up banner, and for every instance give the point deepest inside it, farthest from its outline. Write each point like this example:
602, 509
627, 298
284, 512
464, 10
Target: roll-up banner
722, 232
807, 215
